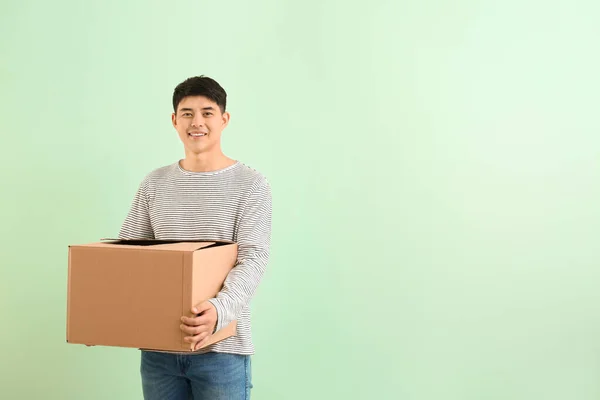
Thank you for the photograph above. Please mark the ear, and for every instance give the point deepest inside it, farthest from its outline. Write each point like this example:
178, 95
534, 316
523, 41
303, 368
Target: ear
225, 119
174, 120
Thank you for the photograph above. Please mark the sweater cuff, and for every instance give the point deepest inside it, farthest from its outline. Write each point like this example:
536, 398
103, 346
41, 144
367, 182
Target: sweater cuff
221, 320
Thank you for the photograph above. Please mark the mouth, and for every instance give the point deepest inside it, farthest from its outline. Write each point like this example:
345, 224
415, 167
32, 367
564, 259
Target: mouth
195, 135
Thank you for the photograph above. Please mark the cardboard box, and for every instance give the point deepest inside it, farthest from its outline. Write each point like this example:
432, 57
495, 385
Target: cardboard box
133, 293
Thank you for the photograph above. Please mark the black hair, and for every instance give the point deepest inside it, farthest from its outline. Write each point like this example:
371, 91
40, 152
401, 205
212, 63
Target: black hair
200, 86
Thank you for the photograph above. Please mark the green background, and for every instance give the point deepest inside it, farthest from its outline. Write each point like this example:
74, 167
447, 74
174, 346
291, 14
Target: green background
434, 166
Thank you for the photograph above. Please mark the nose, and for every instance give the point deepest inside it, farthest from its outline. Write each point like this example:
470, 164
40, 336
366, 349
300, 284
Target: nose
198, 121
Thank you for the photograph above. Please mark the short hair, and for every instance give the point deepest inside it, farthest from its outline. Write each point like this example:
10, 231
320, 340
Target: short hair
200, 86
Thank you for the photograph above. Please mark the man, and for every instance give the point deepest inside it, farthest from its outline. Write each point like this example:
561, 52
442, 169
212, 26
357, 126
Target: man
206, 195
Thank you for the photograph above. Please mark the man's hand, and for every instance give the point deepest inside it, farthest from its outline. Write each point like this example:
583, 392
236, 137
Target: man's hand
200, 327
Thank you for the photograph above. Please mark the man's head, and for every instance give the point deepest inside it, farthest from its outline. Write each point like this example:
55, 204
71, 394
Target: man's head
199, 114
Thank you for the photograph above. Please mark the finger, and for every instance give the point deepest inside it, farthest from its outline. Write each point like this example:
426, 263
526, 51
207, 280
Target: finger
194, 330
200, 308
196, 338
201, 343
195, 321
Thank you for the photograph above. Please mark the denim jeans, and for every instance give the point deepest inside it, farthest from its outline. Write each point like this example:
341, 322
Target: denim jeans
209, 376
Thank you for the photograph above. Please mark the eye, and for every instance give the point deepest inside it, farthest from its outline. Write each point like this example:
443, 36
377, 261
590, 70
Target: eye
208, 114
186, 114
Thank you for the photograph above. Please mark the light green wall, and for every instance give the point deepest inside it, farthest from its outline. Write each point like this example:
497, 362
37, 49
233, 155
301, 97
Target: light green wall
435, 173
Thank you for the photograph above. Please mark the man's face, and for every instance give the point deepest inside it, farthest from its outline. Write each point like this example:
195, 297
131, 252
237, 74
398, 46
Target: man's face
199, 122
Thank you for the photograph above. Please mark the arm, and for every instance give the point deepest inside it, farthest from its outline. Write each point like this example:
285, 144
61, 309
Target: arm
137, 223
254, 240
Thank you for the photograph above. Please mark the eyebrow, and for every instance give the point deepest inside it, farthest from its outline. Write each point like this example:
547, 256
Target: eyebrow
209, 108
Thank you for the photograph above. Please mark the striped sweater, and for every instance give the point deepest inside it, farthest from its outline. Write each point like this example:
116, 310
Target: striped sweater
233, 203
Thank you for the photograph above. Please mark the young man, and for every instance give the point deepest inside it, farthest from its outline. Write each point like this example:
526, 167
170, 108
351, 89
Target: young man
206, 195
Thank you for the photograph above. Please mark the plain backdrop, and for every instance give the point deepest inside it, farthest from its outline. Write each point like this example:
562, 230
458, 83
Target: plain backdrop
434, 166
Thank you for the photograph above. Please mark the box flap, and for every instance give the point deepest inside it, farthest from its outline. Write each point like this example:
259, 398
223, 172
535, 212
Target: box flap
183, 246
156, 244
152, 242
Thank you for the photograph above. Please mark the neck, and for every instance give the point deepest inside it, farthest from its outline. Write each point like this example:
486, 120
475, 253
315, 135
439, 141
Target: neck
205, 162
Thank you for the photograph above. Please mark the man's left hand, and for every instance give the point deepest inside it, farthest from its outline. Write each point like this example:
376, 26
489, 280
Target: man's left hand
200, 327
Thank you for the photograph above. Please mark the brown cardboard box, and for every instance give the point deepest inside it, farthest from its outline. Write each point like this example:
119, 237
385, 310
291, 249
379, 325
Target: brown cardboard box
133, 293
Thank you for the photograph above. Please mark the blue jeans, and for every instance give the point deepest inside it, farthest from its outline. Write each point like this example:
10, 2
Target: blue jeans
209, 376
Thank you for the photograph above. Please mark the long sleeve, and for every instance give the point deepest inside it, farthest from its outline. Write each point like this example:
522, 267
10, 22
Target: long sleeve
137, 223
253, 238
